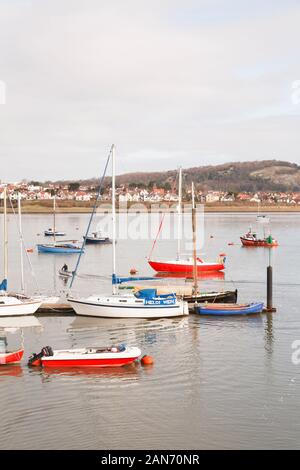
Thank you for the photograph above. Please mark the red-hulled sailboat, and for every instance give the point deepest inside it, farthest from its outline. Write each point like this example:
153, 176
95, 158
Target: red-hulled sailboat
184, 265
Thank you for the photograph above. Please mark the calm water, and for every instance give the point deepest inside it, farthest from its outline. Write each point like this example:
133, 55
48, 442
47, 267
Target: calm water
216, 383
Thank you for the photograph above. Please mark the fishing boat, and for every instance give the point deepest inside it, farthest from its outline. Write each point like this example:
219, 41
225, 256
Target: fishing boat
97, 238
229, 309
147, 304
115, 356
12, 304
11, 357
251, 239
180, 264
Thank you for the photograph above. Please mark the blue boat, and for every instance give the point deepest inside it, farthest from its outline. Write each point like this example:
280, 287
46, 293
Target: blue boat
229, 309
59, 248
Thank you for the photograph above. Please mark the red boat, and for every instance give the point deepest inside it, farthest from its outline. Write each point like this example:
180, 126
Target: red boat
187, 266
114, 356
12, 357
250, 239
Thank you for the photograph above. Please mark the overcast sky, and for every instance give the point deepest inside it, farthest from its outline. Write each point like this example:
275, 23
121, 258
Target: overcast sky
170, 82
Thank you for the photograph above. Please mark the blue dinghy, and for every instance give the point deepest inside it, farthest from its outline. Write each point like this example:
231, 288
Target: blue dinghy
229, 309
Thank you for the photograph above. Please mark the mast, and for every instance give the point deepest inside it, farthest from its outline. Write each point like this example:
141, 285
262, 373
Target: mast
179, 234
113, 196
21, 243
195, 287
5, 244
54, 209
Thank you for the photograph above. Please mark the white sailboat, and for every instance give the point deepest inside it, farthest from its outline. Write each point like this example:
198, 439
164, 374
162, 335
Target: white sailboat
14, 304
144, 304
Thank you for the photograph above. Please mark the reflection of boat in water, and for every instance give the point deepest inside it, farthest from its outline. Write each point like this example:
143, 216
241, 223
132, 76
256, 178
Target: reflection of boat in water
202, 276
12, 324
130, 370
114, 356
11, 370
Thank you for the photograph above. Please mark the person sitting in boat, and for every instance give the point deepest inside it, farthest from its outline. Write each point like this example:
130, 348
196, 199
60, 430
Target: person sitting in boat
65, 268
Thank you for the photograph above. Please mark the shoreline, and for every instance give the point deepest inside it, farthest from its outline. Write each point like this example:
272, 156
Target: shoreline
84, 209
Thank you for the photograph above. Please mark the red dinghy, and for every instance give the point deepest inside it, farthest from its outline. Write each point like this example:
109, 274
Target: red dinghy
114, 356
12, 357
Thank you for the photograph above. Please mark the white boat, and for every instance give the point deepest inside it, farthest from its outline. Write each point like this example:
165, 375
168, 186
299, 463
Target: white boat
114, 356
143, 305
15, 304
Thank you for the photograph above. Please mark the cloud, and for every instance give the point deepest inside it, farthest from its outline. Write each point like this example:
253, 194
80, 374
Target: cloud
170, 83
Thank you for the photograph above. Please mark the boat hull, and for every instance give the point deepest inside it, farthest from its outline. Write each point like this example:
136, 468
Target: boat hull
18, 309
80, 358
58, 249
92, 308
229, 309
97, 241
13, 357
175, 267
51, 234
258, 243
214, 297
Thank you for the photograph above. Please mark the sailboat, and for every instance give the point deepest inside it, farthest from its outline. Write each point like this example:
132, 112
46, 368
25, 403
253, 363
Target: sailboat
145, 303
14, 304
66, 246
184, 265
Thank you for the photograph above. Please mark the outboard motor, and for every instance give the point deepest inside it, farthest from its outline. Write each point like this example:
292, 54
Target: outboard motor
35, 359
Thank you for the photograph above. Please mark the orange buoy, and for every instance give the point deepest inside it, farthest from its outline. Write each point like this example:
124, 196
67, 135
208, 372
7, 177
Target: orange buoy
133, 271
147, 360
29, 250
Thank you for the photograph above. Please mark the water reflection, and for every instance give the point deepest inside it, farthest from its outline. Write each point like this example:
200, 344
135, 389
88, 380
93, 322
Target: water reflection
11, 370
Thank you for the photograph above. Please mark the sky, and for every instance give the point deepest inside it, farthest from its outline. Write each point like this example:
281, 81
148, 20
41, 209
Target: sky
169, 82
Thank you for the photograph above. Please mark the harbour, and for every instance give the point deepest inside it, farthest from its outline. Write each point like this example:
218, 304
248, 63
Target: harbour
215, 382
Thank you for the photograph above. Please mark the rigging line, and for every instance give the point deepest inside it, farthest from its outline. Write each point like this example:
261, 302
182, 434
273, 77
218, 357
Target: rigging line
91, 218
24, 248
158, 233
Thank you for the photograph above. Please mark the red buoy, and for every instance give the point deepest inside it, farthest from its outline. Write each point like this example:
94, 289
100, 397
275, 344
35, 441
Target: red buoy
147, 360
133, 271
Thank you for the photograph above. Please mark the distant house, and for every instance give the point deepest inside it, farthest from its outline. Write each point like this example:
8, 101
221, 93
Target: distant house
213, 196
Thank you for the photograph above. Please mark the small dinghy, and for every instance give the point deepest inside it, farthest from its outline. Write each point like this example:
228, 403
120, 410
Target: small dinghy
11, 357
51, 233
114, 356
64, 272
97, 238
229, 309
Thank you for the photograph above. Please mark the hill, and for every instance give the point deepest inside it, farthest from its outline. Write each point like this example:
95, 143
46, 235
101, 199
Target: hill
266, 175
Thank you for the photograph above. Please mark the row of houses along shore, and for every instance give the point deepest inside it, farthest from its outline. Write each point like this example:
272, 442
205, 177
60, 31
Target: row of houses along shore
79, 193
